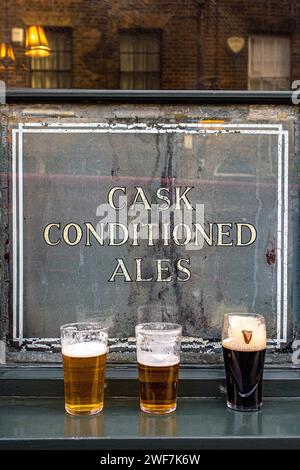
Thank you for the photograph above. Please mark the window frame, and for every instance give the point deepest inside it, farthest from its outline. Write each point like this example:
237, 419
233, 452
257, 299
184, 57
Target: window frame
155, 31
43, 96
250, 56
55, 71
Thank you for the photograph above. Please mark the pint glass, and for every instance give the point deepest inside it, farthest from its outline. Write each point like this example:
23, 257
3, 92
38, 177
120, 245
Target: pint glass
158, 355
244, 345
84, 348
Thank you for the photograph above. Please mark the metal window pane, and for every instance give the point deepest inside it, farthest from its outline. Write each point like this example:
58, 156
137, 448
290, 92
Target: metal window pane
59, 60
36, 80
126, 81
140, 63
269, 60
269, 64
64, 61
140, 56
256, 57
255, 84
140, 81
282, 57
126, 62
281, 84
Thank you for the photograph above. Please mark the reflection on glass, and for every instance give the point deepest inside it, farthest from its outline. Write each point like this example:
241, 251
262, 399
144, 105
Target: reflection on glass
84, 426
153, 425
210, 46
242, 424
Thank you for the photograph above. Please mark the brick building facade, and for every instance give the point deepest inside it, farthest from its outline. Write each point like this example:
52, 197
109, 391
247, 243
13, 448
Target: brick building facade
194, 52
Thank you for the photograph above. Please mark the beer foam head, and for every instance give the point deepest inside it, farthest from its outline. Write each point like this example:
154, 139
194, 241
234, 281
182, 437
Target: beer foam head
84, 349
153, 359
245, 333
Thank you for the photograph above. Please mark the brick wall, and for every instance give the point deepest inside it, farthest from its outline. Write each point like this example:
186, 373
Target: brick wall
194, 37
222, 68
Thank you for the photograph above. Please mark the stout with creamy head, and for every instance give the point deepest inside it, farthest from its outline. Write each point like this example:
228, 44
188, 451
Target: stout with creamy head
244, 346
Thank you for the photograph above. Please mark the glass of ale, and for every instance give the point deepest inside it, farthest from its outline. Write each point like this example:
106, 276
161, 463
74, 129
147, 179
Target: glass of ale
84, 349
158, 355
244, 343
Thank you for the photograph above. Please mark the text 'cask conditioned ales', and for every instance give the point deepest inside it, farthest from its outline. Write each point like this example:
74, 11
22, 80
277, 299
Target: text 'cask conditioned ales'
244, 347
84, 376
158, 382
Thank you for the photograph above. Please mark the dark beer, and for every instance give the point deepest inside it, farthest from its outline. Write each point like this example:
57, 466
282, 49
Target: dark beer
244, 347
158, 386
84, 376
244, 373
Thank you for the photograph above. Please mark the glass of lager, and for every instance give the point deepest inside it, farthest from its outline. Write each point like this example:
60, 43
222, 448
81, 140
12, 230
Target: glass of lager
244, 344
84, 348
158, 356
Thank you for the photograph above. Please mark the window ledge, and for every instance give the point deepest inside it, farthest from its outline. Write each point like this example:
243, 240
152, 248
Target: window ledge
33, 416
198, 423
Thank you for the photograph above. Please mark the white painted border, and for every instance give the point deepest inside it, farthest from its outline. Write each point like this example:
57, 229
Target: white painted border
190, 128
14, 228
285, 232
20, 228
279, 239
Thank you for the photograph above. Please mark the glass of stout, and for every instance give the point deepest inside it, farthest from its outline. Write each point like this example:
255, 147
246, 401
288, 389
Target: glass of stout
84, 349
244, 345
158, 355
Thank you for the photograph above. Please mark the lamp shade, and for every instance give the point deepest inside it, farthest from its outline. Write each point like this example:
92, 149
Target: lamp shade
6, 52
36, 42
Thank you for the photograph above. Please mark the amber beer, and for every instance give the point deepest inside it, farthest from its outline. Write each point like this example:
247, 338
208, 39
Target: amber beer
158, 385
158, 348
84, 364
244, 346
